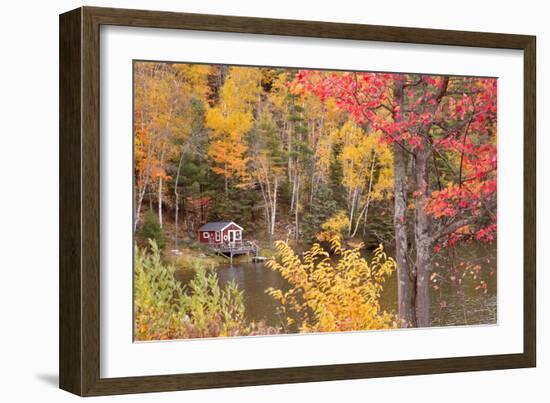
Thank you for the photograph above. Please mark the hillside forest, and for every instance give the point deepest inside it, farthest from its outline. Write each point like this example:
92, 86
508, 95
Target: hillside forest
341, 178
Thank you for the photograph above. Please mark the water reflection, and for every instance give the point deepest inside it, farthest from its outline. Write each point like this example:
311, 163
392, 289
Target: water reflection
452, 303
254, 279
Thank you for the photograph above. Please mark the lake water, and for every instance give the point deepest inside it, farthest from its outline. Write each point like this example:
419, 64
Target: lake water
452, 303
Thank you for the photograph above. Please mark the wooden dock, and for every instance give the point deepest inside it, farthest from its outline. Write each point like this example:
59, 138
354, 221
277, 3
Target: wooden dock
230, 249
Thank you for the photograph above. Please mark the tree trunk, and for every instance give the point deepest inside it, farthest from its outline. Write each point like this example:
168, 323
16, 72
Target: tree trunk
422, 240
365, 209
296, 222
423, 270
186, 218
354, 197
226, 183
274, 209
289, 152
422, 234
141, 193
405, 279
405, 285
160, 184
138, 205
293, 195
313, 162
312, 192
176, 217
267, 204
176, 193
160, 201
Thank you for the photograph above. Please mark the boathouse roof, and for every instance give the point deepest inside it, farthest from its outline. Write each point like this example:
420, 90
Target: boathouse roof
217, 226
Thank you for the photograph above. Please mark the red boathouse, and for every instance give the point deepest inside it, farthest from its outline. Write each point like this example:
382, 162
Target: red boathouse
220, 232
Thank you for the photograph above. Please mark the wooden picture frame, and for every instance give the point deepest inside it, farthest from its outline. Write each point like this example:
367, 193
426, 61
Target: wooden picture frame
79, 347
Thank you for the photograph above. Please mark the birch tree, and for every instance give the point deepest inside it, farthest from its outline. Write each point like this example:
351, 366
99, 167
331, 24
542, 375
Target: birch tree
267, 165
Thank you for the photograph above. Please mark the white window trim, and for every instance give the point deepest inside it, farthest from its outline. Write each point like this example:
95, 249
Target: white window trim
206, 234
217, 236
232, 223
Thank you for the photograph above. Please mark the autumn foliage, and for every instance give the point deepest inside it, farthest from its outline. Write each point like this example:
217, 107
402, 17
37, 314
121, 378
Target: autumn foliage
442, 131
332, 293
164, 309
304, 156
454, 118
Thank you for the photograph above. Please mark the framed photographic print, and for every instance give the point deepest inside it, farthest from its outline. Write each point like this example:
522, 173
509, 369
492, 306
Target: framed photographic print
249, 201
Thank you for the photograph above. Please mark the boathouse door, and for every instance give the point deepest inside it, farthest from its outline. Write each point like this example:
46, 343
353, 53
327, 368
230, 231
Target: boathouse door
232, 236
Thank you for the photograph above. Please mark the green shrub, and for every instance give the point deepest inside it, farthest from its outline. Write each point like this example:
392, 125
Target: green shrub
151, 229
164, 309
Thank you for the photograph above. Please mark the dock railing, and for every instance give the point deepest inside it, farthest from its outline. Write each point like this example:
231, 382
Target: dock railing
235, 248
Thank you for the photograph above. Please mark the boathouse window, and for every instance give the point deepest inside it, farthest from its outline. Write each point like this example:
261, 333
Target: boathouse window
237, 235
217, 236
206, 234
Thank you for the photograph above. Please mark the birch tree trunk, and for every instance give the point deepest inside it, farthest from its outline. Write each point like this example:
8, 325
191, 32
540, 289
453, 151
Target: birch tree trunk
138, 206
160, 201
296, 222
312, 192
365, 209
268, 202
289, 152
274, 207
141, 192
176, 194
294, 185
145, 184
267, 205
160, 188
352, 210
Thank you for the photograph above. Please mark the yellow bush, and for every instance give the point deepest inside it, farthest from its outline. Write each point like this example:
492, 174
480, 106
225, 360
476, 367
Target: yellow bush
332, 294
334, 227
